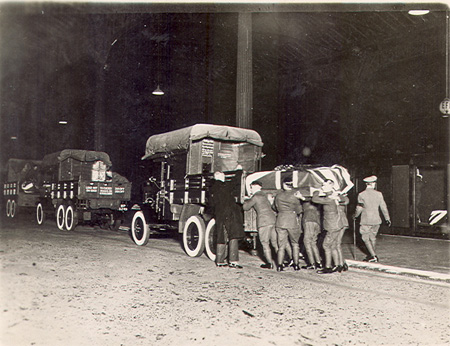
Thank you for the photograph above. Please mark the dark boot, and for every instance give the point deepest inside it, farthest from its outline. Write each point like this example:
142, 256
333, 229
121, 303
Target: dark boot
326, 270
280, 268
338, 268
267, 266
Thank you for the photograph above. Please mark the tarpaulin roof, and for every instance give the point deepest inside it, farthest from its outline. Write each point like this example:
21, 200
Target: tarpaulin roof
77, 154
181, 139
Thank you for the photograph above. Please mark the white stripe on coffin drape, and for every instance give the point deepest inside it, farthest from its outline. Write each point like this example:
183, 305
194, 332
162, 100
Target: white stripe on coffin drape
338, 174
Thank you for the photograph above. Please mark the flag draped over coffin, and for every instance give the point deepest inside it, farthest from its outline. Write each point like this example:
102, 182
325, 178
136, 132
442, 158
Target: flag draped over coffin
306, 180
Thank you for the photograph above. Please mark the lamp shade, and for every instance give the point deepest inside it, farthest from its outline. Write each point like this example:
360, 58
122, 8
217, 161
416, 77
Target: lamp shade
158, 91
418, 12
444, 107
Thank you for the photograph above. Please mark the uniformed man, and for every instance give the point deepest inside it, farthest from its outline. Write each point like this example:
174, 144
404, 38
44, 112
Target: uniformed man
370, 202
343, 226
265, 219
311, 228
330, 202
288, 229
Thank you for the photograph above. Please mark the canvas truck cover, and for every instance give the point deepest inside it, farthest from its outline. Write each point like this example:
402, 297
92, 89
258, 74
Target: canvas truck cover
179, 140
77, 154
19, 169
306, 180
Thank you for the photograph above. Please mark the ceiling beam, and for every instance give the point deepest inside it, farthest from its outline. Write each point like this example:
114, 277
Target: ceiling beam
217, 7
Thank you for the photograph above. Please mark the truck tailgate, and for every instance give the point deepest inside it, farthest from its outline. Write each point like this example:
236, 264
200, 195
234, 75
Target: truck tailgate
110, 190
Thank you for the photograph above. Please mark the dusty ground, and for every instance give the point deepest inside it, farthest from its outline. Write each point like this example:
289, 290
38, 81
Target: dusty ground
95, 287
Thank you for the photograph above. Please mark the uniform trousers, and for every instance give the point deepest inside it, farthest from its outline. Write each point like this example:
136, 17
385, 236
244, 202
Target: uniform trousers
331, 240
288, 234
230, 248
268, 235
341, 235
369, 232
312, 231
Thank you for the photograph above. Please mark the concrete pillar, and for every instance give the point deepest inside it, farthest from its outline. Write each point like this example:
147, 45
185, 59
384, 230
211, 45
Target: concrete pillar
99, 137
244, 85
447, 94
448, 191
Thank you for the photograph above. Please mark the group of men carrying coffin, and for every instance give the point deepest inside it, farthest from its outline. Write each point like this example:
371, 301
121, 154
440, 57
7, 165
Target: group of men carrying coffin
281, 222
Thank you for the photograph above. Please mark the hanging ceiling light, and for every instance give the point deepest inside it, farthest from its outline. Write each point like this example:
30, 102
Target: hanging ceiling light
158, 91
444, 107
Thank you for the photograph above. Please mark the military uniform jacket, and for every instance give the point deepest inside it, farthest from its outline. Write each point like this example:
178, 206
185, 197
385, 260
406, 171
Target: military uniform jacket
265, 216
330, 211
370, 201
311, 212
289, 208
342, 210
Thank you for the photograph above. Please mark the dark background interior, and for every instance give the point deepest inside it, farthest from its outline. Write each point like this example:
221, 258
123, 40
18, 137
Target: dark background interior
356, 85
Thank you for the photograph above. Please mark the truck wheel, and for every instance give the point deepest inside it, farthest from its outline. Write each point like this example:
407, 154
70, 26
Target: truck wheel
139, 229
70, 219
40, 215
194, 236
210, 240
8, 208
13, 211
60, 217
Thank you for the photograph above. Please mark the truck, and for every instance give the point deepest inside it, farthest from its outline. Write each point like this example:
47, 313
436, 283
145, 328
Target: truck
20, 185
78, 186
180, 167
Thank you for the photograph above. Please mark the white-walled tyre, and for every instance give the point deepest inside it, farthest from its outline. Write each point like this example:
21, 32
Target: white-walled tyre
8, 208
70, 219
13, 211
211, 240
194, 236
61, 217
40, 215
140, 231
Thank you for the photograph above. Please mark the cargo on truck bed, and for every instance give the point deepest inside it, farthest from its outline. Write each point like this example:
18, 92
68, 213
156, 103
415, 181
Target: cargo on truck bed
79, 186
